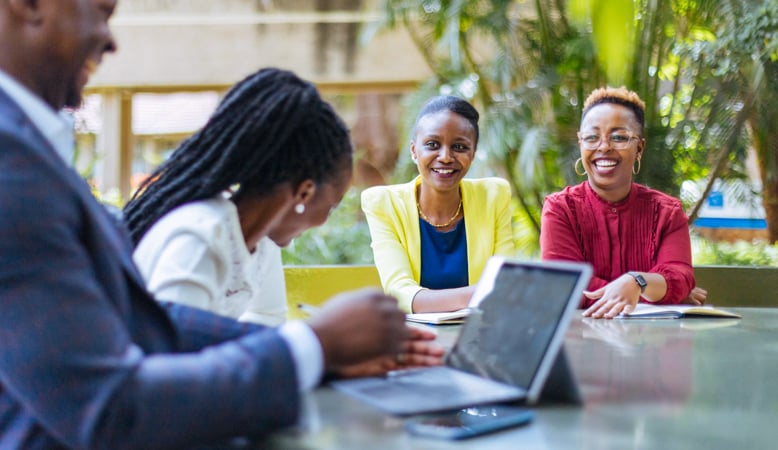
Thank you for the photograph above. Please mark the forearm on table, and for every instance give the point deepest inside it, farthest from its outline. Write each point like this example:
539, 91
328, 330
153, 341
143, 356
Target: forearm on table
198, 329
237, 388
656, 286
440, 300
679, 279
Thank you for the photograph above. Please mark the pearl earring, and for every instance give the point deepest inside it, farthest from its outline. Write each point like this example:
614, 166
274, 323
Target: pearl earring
299, 208
413, 158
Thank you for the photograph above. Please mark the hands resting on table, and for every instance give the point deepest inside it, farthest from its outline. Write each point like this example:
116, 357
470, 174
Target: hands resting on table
623, 294
363, 333
696, 297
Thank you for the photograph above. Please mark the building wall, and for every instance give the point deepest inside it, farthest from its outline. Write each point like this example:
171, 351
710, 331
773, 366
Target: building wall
200, 42
167, 46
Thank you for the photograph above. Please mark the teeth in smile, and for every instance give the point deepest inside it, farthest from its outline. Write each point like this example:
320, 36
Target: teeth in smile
443, 171
605, 163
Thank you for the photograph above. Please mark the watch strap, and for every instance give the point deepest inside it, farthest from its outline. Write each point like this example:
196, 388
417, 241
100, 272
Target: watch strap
639, 280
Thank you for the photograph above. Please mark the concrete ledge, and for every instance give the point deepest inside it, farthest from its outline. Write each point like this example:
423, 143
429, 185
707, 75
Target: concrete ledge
315, 284
726, 285
739, 285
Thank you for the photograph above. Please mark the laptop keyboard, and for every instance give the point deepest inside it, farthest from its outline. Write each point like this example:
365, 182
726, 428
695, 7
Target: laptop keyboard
429, 383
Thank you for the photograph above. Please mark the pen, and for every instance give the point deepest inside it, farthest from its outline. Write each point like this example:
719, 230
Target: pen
307, 309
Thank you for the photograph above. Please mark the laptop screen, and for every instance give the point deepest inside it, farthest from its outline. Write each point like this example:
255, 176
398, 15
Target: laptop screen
508, 333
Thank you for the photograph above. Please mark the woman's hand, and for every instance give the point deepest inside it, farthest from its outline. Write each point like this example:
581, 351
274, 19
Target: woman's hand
418, 350
619, 296
696, 297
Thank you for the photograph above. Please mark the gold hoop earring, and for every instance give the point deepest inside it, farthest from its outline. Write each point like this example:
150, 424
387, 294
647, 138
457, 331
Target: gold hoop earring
575, 167
636, 171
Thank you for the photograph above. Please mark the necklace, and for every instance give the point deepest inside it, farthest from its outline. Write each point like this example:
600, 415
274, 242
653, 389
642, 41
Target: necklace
442, 225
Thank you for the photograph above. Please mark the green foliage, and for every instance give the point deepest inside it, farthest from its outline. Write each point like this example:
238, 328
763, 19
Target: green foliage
111, 197
740, 253
524, 236
528, 66
343, 239
613, 25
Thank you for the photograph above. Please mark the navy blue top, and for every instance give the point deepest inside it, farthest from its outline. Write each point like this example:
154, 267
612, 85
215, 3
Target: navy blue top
443, 256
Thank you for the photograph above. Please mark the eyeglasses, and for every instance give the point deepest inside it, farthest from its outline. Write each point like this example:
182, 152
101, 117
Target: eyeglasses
618, 140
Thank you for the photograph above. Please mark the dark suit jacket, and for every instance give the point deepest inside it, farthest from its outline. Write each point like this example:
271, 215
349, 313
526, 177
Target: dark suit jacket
87, 357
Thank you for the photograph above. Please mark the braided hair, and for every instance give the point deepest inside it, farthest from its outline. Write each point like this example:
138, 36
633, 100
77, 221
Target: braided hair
271, 128
450, 103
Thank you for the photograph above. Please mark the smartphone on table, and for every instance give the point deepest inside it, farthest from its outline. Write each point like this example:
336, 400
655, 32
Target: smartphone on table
469, 422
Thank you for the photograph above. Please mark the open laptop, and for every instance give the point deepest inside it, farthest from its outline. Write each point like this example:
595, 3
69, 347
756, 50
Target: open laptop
505, 350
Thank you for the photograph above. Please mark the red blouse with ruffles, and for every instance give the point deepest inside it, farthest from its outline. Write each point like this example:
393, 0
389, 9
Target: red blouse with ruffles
646, 232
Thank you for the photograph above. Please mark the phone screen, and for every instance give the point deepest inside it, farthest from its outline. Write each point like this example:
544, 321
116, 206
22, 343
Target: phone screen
469, 422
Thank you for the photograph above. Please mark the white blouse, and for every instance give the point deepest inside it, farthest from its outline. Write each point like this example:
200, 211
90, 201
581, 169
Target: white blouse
196, 255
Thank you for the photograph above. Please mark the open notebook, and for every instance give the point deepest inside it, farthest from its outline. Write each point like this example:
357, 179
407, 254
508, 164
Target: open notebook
646, 311
507, 349
439, 318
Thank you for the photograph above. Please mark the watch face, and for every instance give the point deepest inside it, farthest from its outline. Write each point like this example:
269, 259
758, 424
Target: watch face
640, 280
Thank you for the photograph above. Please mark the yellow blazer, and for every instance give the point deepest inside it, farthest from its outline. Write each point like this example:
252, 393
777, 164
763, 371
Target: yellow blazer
393, 219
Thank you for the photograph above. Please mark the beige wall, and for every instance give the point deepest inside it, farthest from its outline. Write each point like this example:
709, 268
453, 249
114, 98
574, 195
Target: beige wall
192, 42
171, 45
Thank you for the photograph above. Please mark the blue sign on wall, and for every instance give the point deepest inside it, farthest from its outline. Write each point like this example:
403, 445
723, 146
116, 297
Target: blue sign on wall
716, 199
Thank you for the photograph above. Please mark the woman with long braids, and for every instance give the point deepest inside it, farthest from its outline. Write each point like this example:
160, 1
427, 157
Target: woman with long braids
271, 162
432, 236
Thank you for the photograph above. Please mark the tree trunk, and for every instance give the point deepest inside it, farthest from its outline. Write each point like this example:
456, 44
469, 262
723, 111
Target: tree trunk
375, 138
764, 135
766, 145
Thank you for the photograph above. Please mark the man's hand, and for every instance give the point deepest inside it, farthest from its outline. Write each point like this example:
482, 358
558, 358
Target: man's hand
417, 351
358, 326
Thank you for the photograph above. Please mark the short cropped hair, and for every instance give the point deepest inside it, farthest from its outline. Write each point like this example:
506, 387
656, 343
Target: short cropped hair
619, 96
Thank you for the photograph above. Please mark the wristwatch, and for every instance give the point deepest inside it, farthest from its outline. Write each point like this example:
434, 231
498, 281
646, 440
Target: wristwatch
639, 280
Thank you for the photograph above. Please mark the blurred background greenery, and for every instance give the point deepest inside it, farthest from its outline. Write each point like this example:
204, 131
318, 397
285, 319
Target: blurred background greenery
345, 239
707, 70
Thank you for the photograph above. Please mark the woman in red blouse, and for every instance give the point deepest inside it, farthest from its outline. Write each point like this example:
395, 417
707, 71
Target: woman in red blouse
636, 238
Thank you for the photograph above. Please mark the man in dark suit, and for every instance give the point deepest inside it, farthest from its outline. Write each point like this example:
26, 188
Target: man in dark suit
87, 358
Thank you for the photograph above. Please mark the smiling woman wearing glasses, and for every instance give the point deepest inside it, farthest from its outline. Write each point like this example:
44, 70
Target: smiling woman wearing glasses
636, 238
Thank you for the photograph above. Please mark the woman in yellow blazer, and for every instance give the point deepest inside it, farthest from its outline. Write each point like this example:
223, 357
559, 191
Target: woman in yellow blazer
431, 237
